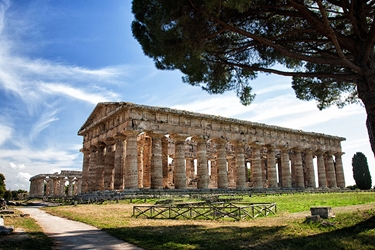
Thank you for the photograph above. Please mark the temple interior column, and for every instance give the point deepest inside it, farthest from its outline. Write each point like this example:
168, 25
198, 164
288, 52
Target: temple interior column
131, 161
298, 171
202, 166
339, 170
109, 164
271, 166
179, 162
214, 171
322, 180
331, 176
221, 161
78, 185
286, 174
85, 169
240, 165
119, 162
310, 172
190, 174
48, 187
156, 162
231, 163
256, 166
55, 186
164, 160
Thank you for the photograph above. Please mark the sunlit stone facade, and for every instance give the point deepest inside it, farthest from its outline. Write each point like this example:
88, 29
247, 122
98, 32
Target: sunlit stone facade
130, 146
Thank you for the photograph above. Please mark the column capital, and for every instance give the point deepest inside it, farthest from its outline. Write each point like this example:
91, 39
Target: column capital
200, 138
338, 154
119, 137
219, 140
179, 137
84, 150
155, 134
131, 132
109, 141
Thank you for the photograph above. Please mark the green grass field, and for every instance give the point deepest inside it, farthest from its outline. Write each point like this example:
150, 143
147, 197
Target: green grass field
352, 228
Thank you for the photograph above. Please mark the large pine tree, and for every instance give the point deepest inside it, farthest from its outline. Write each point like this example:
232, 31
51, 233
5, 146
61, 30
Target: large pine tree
326, 46
361, 172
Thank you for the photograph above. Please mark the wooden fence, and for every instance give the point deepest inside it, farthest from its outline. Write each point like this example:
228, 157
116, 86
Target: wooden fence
205, 211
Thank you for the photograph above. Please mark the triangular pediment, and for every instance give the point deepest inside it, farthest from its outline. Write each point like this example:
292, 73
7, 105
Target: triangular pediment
101, 111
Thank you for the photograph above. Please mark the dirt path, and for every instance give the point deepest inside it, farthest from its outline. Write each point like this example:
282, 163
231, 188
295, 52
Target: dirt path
68, 234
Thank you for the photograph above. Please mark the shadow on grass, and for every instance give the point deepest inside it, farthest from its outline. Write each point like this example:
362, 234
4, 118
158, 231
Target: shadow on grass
359, 236
29, 241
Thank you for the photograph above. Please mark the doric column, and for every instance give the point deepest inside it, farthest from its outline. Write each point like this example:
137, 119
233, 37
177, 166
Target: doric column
339, 170
41, 186
221, 161
55, 186
164, 160
99, 173
78, 185
298, 170
92, 169
190, 174
62, 186
310, 169
231, 171
70, 186
271, 167
109, 164
202, 166
286, 176
330, 168
240, 165
131, 160
321, 170
179, 162
156, 162
119, 175
256, 166
85, 169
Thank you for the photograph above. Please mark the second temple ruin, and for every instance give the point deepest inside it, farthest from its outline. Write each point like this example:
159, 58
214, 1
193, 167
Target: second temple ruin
130, 146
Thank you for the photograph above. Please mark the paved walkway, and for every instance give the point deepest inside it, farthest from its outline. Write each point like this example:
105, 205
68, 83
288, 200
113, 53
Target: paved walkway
68, 234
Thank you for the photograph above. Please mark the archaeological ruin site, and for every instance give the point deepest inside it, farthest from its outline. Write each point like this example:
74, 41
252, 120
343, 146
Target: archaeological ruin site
128, 146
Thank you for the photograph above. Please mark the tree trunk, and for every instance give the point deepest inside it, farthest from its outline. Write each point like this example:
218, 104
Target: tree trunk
366, 92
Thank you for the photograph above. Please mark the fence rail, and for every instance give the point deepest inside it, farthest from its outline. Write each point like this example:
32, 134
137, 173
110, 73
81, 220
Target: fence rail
204, 211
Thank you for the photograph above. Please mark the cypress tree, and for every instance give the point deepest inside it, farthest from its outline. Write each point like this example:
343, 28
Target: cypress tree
361, 171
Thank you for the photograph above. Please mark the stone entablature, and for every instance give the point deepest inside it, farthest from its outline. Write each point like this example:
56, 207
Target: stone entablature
127, 145
53, 185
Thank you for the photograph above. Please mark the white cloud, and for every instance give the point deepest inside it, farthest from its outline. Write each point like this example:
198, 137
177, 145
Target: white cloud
16, 166
5, 133
79, 94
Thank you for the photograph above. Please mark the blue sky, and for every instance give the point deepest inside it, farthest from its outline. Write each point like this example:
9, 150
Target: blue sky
58, 59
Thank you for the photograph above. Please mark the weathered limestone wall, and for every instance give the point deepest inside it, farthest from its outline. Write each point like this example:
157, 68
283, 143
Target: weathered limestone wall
53, 185
130, 146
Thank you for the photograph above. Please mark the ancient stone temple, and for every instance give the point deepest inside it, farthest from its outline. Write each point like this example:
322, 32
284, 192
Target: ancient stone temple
130, 146
53, 185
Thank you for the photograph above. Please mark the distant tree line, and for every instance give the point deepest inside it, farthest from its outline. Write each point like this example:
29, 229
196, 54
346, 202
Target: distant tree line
8, 194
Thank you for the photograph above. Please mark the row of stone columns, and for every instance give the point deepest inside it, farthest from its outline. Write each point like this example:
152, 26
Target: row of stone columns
43, 185
114, 165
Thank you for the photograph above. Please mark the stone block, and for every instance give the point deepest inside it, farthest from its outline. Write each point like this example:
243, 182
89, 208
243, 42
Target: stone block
323, 212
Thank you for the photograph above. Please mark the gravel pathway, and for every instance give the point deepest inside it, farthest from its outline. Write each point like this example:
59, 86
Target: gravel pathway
68, 234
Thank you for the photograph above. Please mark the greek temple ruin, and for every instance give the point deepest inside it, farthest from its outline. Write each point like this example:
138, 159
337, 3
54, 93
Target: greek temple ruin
53, 185
131, 146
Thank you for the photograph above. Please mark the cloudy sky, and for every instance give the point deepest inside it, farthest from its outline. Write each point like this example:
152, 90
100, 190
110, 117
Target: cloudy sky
58, 59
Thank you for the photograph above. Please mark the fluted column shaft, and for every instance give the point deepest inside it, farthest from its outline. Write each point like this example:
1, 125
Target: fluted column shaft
119, 172
271, 166
70, 186
85, 169
202, 167
92, 169
256, 166
164, 160
322, 180
331, 175
109, 164
240, 165
62, 186
99, 173
310, 169
339, 170
131, 161
179, 162
221, 161
286, 175
156, 162
299, 178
